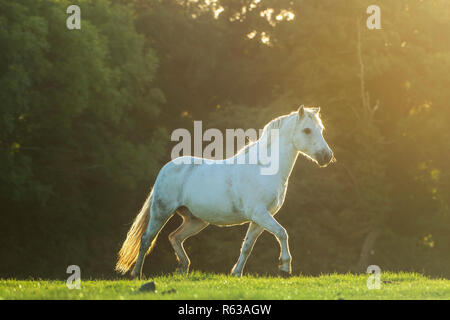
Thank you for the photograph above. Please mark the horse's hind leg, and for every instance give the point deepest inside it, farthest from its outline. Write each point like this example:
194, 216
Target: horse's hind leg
253, 232
159, 215
190, 226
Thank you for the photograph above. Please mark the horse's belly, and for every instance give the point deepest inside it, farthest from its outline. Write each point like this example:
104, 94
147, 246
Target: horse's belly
206, 195
217, 213
215, 206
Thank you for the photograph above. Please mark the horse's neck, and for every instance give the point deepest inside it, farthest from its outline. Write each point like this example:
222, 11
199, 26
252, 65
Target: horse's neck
287, 157
287, 152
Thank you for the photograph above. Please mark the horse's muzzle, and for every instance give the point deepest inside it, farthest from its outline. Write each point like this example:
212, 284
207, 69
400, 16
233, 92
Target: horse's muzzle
324, 157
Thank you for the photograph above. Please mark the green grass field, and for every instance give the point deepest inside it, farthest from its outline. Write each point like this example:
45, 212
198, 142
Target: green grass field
210, 286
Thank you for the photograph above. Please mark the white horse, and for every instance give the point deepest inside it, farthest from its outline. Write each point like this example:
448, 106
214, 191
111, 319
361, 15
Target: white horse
226, 195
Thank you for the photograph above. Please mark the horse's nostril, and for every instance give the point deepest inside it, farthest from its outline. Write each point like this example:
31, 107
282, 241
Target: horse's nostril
322, 157
330, 157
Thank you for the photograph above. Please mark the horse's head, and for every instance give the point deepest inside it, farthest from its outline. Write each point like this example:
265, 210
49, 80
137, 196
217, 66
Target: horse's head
308, 136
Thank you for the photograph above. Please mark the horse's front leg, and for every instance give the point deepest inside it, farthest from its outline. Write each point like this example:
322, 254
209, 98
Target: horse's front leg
264, 219
253, 232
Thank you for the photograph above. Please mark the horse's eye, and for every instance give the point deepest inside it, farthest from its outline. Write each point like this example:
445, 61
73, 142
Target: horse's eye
307, 131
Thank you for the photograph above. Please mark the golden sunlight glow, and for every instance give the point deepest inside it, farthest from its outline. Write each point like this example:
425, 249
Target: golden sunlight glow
253, 4
218, 12
419, 108
251, 35
428, 240
285, 15
267, 13
265, 38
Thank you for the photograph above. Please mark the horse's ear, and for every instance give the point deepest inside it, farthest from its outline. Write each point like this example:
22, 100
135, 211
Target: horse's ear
317, 109
301, 112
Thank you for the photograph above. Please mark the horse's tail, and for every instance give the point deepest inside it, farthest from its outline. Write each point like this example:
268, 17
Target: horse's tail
130, 248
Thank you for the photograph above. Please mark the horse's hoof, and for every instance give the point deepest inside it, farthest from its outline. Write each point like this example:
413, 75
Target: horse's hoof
135, 276
236, 275
284, 274
181, 271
